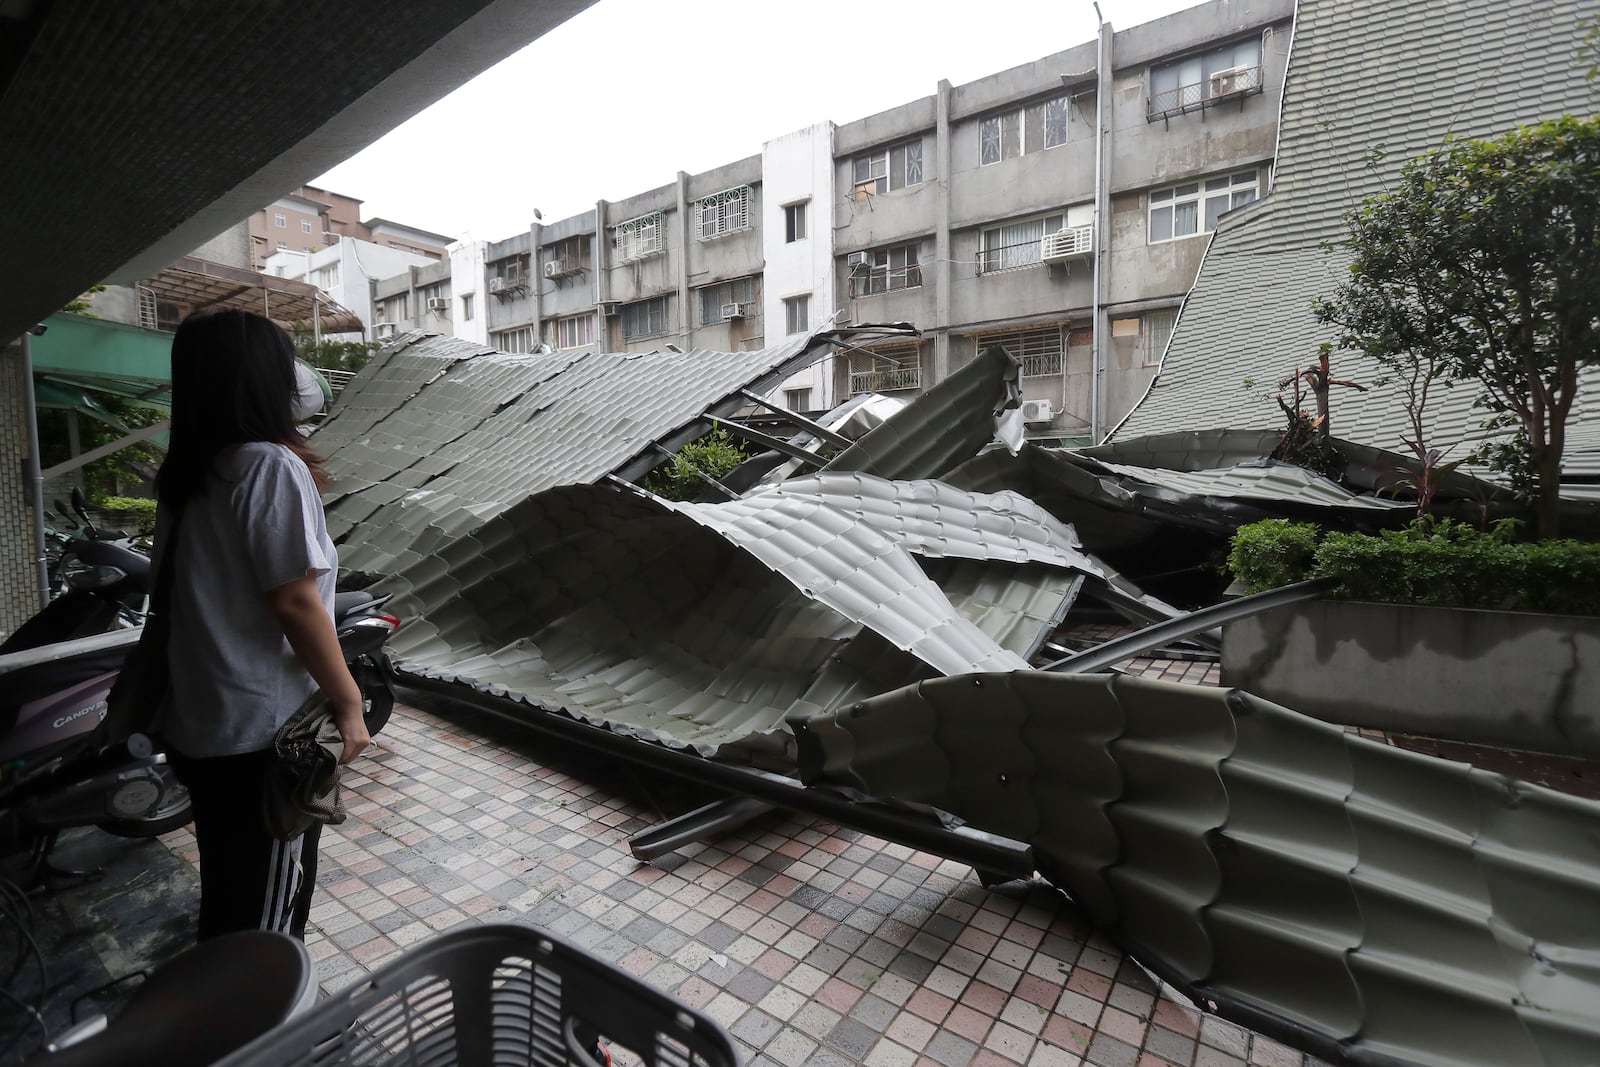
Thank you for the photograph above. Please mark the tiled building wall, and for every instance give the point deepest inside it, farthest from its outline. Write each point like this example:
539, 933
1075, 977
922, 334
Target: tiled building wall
18, 586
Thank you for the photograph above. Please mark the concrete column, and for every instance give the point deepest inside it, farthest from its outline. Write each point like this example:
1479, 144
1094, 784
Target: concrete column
941, 235
687, 331
602, 281
1102, 230
536, 280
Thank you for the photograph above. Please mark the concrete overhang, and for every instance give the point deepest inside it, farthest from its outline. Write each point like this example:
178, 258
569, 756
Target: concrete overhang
133, 133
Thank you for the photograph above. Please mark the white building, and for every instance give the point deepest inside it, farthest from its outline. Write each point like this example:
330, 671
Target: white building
346, 271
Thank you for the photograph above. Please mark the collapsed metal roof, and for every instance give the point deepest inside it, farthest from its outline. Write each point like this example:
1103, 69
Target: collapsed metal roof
867, 629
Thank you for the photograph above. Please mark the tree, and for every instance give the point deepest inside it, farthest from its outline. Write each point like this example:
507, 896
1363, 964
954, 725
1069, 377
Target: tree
1479, 266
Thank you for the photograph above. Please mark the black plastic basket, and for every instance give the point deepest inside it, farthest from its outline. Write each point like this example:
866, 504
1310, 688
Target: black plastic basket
494, 996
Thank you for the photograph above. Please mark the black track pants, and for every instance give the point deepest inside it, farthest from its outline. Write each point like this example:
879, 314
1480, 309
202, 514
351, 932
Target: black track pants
248, 879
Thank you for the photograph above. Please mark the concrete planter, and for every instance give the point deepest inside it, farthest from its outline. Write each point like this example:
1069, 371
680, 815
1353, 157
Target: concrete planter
1518, 679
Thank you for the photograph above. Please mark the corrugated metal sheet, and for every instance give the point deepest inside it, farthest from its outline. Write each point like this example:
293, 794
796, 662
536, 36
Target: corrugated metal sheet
1369, 904
1364, 74
943, 427
441, 435
1281, 483
708, 624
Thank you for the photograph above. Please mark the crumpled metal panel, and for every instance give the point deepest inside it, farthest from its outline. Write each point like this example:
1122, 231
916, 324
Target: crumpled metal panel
944, 426
1265, 480
443, 434
847, 539
1372, 905
708, 624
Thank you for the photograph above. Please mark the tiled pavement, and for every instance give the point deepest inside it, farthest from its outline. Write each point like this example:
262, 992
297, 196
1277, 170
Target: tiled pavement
814, 944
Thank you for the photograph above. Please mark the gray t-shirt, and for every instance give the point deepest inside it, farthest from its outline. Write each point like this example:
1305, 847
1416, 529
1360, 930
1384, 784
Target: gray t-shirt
259, 525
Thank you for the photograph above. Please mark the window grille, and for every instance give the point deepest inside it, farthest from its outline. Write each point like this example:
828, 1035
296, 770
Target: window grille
892, 368
715, 299
1039, 351
1016, 244
517, 341
1205, 79
575, 331
644, 318
640, 237
723, 213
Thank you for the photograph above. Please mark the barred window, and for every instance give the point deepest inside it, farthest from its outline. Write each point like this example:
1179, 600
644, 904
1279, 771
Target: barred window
574, 331
723, 213
1031, 128
881, 270
644, 318
640, 237
1039, 351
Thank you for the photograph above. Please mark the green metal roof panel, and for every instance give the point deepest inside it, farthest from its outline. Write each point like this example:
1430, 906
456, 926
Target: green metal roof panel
1368, 904
1363, 74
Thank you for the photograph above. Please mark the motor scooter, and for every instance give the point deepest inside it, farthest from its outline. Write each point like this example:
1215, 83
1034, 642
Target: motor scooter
61, 766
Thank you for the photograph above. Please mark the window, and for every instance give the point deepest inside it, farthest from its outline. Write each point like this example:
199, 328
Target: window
890, 169
519, 340
722, 213
883, 269
794, 223
640, 237
466, 308
283, 244
280, 221
1194, 207
1016, 244
1039, 351
797, 314
888, 369
305, 225
398, 306
1157, 331
1202, 80
737, 298
509, 275
568, 256
644, 318
797, 399
1032, 128
574, 331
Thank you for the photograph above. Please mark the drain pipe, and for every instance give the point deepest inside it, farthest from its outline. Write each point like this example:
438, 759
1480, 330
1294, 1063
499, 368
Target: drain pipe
1097, 344
31, 470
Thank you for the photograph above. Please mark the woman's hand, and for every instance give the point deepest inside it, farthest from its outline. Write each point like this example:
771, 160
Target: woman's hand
298, 608
352, 729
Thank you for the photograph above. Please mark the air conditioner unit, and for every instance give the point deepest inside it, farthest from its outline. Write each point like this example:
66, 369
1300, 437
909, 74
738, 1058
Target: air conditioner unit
439, 304
1036, 411
555, 268
497, 285
1231, 81
735, 311
609, 308
1066, 243
383, 330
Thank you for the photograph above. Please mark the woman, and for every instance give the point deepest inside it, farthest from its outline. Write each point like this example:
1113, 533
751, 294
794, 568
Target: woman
240, 518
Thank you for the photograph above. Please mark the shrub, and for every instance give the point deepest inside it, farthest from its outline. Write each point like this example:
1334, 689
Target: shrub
1444, 564
1272, 552
131, 511
684, 478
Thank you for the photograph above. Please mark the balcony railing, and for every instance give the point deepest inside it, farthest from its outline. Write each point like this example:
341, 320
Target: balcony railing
1230, 84
884, 279
1041, 366
885, 380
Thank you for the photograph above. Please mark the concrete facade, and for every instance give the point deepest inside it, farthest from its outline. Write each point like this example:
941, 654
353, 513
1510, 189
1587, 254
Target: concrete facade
419, 299
312, 218
1060, 208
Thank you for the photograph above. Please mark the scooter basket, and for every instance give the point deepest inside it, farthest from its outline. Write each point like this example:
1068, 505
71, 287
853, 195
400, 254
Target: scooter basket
494, 996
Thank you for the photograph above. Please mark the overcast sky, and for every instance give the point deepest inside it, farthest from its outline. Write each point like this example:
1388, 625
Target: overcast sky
621, 97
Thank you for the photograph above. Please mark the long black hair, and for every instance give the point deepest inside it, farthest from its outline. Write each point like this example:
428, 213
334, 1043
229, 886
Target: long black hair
232, 382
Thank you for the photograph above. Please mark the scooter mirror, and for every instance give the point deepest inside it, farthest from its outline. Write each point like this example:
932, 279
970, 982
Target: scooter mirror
81, 506
64, 511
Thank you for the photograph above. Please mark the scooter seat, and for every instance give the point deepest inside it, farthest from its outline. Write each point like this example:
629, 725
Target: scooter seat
202, 1005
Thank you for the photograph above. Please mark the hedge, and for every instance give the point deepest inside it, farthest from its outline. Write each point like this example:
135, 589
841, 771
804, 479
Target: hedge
1444, 564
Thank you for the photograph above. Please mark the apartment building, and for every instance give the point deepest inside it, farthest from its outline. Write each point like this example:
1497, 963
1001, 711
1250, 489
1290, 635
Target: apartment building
350, 272
311, 218
1060, 209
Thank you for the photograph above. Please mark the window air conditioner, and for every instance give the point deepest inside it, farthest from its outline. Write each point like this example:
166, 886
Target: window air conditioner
608, 308
735, 311
383, 330
497, 285
439, 304
555, 268
1230, 81
1066, 243
1036, 411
